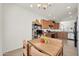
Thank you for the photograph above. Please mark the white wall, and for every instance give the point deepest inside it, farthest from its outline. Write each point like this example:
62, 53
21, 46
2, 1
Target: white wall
18, 26
67, 25
0, 29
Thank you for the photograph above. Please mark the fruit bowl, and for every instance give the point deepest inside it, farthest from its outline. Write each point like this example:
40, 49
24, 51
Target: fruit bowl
44, 40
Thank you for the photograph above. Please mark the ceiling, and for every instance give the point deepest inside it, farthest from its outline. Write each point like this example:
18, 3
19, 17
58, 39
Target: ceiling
55, 11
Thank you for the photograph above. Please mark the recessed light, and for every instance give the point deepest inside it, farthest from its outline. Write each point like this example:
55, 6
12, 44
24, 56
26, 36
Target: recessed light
31, 5
68, 7
69, 12
38, 5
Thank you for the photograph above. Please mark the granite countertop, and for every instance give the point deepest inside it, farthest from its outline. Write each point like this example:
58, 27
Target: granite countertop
58, 30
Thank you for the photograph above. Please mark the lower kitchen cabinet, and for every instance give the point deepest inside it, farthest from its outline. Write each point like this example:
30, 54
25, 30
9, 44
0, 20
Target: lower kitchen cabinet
59, 35
62, 35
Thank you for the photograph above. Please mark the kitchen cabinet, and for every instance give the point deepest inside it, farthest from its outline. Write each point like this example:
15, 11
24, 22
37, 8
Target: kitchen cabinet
56, 26
45, 24
59, 35
51, 34
62, 35
48, 23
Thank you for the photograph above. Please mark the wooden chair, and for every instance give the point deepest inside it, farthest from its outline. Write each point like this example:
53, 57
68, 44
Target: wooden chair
24, 48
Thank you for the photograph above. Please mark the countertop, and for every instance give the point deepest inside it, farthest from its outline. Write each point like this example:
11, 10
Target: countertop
58, 30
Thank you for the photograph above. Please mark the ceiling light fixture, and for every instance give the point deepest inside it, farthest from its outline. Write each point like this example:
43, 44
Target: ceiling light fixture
42, 5
38, 5
68, 7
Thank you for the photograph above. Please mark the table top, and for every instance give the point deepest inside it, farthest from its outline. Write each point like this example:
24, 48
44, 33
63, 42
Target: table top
53, 46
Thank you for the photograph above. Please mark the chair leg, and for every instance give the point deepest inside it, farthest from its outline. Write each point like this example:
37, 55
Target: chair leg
28, 49
23, 54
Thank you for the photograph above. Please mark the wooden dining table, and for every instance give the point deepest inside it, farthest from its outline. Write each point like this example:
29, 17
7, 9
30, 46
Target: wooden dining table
54, 47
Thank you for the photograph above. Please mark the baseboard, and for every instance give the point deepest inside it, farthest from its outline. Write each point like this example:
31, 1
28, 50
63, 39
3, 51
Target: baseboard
71, 39
10, 51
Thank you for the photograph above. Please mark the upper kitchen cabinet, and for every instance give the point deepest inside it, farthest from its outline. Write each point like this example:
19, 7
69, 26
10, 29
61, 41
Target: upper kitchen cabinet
45, 24
49, 24
56, 26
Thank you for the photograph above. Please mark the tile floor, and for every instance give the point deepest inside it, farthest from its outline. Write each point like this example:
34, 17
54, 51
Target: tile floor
0, 54
69, 50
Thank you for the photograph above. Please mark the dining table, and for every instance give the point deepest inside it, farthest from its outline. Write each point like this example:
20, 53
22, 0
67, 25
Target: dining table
54, 47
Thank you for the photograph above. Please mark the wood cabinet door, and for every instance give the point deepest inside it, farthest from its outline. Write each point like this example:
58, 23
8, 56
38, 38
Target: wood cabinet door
62, 35
56, 26
45, 24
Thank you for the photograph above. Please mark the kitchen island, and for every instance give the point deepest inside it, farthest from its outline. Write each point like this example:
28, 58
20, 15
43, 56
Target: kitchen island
56, 33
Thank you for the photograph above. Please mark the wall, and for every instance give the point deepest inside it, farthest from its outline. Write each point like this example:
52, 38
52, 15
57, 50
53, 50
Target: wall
67, 25
18, 26
0, 29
